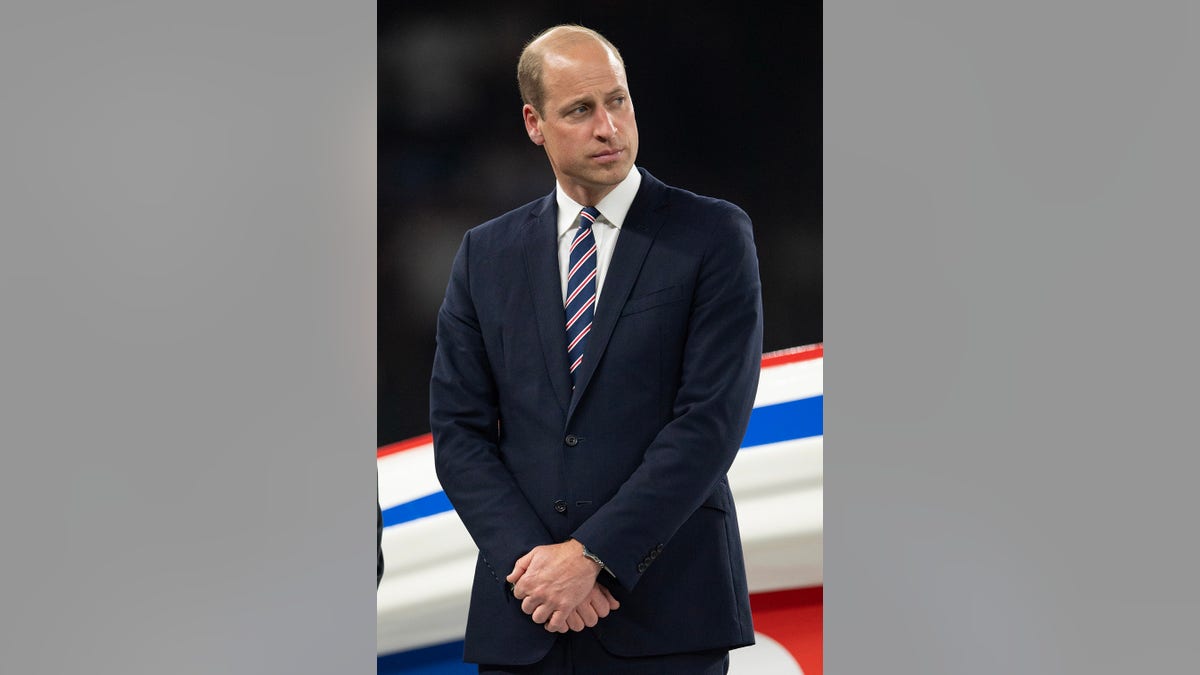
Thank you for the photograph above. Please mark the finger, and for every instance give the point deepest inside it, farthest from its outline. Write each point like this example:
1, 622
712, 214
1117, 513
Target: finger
541, 614
528, 605
557, 623
613, 603
519, 568
588, 614
575, 621
601, 607
597, 602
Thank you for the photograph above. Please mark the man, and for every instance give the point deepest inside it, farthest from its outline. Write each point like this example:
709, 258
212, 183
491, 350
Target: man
594, 375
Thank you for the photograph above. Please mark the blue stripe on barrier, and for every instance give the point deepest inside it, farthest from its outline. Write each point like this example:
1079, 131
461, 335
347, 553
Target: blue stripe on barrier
788, 421
428, 505
445, 659
768, 424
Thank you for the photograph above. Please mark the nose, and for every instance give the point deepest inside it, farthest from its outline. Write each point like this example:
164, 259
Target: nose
606, 127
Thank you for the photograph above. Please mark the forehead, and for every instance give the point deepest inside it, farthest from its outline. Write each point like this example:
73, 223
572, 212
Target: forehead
580, 67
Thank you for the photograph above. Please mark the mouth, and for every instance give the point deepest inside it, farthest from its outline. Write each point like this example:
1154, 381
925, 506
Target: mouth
608, 156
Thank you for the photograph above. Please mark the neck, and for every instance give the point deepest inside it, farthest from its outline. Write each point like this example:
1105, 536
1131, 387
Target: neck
587, 196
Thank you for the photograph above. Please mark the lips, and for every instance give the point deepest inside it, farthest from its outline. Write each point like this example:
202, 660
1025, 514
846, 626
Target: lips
607, 156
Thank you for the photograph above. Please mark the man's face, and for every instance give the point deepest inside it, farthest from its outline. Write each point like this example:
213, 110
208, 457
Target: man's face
588, 129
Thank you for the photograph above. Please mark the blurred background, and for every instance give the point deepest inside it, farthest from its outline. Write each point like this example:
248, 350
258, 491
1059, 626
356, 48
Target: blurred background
728, 103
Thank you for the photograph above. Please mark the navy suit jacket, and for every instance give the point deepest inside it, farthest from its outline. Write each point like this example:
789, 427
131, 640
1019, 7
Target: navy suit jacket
633, 461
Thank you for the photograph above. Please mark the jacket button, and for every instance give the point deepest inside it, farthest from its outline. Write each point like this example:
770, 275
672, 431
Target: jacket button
571, 440
560, 506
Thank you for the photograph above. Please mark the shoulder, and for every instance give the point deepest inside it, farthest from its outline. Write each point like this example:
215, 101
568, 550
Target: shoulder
697, 211
720, 212
503, 229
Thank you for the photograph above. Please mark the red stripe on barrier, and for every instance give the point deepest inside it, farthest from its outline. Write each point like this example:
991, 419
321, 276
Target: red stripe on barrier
400, 446
793, 355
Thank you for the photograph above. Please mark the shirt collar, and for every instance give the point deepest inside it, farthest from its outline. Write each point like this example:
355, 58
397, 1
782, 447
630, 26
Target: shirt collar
613, 208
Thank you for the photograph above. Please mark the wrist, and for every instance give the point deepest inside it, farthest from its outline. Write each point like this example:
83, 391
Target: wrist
595, 559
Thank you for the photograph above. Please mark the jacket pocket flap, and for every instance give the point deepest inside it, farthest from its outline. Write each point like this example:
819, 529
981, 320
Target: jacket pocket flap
719, 499
652, 299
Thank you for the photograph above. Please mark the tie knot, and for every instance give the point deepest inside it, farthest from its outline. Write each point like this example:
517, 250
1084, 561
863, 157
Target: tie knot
587, 216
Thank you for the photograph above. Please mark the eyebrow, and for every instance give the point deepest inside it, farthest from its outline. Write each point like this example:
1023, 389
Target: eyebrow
586, 100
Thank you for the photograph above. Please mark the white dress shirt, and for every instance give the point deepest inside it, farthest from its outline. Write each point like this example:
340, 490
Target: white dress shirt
607, 227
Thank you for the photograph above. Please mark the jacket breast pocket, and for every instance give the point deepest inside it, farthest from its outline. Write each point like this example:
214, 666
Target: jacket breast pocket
653, 299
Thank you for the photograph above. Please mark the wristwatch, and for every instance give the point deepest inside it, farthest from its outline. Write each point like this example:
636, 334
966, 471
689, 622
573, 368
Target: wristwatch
595, 558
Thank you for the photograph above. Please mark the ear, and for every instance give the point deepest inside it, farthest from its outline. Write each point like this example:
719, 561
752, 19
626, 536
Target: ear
532, 124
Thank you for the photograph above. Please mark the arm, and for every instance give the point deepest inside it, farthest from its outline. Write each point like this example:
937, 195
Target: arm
718, 381
463, 417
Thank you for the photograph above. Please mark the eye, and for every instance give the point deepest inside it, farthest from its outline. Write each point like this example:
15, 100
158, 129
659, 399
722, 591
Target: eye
578, 110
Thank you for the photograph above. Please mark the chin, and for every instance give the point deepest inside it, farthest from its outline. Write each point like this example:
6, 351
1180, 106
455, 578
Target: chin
614, 174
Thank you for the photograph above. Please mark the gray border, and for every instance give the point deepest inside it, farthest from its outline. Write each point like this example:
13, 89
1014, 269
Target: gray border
187, 276
1010, 337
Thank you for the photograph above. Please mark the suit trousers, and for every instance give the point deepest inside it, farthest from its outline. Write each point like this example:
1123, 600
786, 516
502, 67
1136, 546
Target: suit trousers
582, 654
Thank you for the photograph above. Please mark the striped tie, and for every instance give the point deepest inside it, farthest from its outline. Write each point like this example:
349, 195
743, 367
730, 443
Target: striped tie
581, 289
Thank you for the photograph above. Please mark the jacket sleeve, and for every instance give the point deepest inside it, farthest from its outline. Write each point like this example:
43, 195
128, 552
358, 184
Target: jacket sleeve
463, 418
722, 358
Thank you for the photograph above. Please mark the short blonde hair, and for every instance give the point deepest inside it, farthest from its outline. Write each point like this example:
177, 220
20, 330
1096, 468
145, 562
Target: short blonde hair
529, 67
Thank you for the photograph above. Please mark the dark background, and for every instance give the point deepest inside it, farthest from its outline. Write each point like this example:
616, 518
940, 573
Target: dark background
728, 104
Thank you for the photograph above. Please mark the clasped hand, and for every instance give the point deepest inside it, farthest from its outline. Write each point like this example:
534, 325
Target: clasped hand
557, 587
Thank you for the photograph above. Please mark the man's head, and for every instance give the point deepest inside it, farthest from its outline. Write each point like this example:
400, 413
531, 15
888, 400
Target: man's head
578, 107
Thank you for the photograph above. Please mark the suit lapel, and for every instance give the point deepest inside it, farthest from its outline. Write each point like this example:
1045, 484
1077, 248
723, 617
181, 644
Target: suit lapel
545, 285
642, 223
